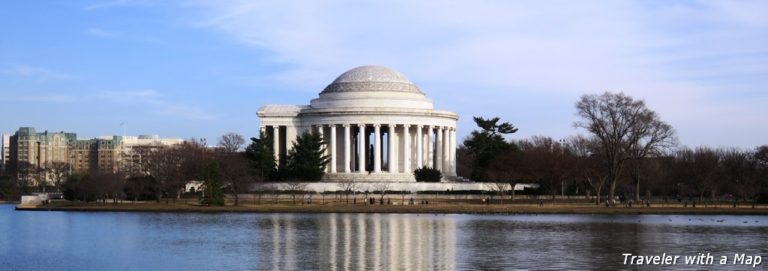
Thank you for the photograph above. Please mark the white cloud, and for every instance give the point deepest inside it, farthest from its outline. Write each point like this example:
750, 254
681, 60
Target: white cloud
35, 72
144, 95
157, 103
184, 111
42, 98
117, 3
101, 33
678, 56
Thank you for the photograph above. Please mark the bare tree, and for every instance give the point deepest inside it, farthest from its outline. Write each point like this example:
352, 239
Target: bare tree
586, 165
24, 174
294, 188
382, 187
738, 169
26, 177
498, 187
173, 166
761, 156
40, 179
59, 171
231, 142
659, 138
107, 185
706, 162
261, 188
236, 172
547, 161
234, 165
348, 186
507, 168
625, 128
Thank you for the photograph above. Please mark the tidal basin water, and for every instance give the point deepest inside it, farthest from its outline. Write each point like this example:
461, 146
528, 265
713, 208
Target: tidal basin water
234, 241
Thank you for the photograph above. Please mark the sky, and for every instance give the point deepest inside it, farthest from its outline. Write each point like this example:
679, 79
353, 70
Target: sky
199, 69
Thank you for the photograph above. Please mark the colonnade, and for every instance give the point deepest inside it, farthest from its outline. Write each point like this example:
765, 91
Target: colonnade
378, 147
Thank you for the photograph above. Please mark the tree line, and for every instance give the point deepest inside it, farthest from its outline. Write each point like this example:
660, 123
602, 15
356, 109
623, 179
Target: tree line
162, 173
628, 152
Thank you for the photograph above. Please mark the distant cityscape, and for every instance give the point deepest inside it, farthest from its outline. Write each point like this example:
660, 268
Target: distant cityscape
45, 153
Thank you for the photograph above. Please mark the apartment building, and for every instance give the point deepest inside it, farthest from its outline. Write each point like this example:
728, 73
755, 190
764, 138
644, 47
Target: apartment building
35, 156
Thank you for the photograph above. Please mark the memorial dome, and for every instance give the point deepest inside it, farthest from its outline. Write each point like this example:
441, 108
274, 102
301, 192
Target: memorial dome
373, 79
372, 86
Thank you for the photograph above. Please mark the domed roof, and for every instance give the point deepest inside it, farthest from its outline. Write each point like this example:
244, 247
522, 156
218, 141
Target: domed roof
371, 79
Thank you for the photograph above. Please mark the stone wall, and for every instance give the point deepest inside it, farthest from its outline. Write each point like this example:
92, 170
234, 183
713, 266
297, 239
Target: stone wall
393, 186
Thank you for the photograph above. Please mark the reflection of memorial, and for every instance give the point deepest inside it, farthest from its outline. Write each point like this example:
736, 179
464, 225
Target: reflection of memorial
360, 241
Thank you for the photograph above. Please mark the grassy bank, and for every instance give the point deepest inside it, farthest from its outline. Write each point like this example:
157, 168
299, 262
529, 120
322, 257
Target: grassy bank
439, 207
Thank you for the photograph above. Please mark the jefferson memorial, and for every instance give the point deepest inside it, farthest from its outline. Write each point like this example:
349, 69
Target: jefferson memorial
377, 126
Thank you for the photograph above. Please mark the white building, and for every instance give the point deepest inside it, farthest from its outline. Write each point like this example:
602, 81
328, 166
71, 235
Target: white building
133, 147
377, 124
145, 140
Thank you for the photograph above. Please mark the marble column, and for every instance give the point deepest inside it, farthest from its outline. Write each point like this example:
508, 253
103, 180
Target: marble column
290, 137
430, 148
346, 148
361, 148
333, 148
446, 151
377, 148
406, 149
453, 151
419, 147
439, 149
276, 143
391, 158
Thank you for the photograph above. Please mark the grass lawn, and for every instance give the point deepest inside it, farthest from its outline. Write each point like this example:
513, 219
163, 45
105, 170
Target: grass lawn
436, 205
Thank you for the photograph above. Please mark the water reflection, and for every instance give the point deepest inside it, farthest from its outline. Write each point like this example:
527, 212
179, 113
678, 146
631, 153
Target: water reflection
359, 241
589, 242
169, 241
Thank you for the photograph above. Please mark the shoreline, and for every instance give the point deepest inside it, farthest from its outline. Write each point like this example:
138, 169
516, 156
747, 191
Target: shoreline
498, 209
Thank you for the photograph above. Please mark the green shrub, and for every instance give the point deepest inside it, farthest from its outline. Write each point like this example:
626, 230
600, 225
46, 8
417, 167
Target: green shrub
426, 174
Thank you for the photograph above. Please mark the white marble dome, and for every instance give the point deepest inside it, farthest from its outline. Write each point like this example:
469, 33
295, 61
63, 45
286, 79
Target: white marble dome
372, 86
372, 79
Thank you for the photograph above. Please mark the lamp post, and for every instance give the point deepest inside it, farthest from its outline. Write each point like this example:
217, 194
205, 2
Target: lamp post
202, 155
562, 153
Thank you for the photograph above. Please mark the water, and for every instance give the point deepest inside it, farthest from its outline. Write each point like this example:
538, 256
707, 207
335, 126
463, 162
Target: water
183, 241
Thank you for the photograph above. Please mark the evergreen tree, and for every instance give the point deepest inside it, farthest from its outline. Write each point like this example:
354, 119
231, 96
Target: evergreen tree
212, 185
427, 174
261, 154
488, 142
307, 160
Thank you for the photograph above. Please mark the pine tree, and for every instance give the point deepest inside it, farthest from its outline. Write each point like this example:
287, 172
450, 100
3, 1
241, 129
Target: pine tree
487, 143
307, 160
262, 157
211, 177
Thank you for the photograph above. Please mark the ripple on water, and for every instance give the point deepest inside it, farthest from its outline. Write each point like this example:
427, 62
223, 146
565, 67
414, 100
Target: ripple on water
168, 241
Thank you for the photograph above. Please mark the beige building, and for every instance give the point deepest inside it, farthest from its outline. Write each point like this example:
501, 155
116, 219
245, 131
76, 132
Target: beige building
37, 156
32, 154
99, 155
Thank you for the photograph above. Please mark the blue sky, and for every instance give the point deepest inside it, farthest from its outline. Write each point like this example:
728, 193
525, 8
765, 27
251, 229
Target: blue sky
202, 68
